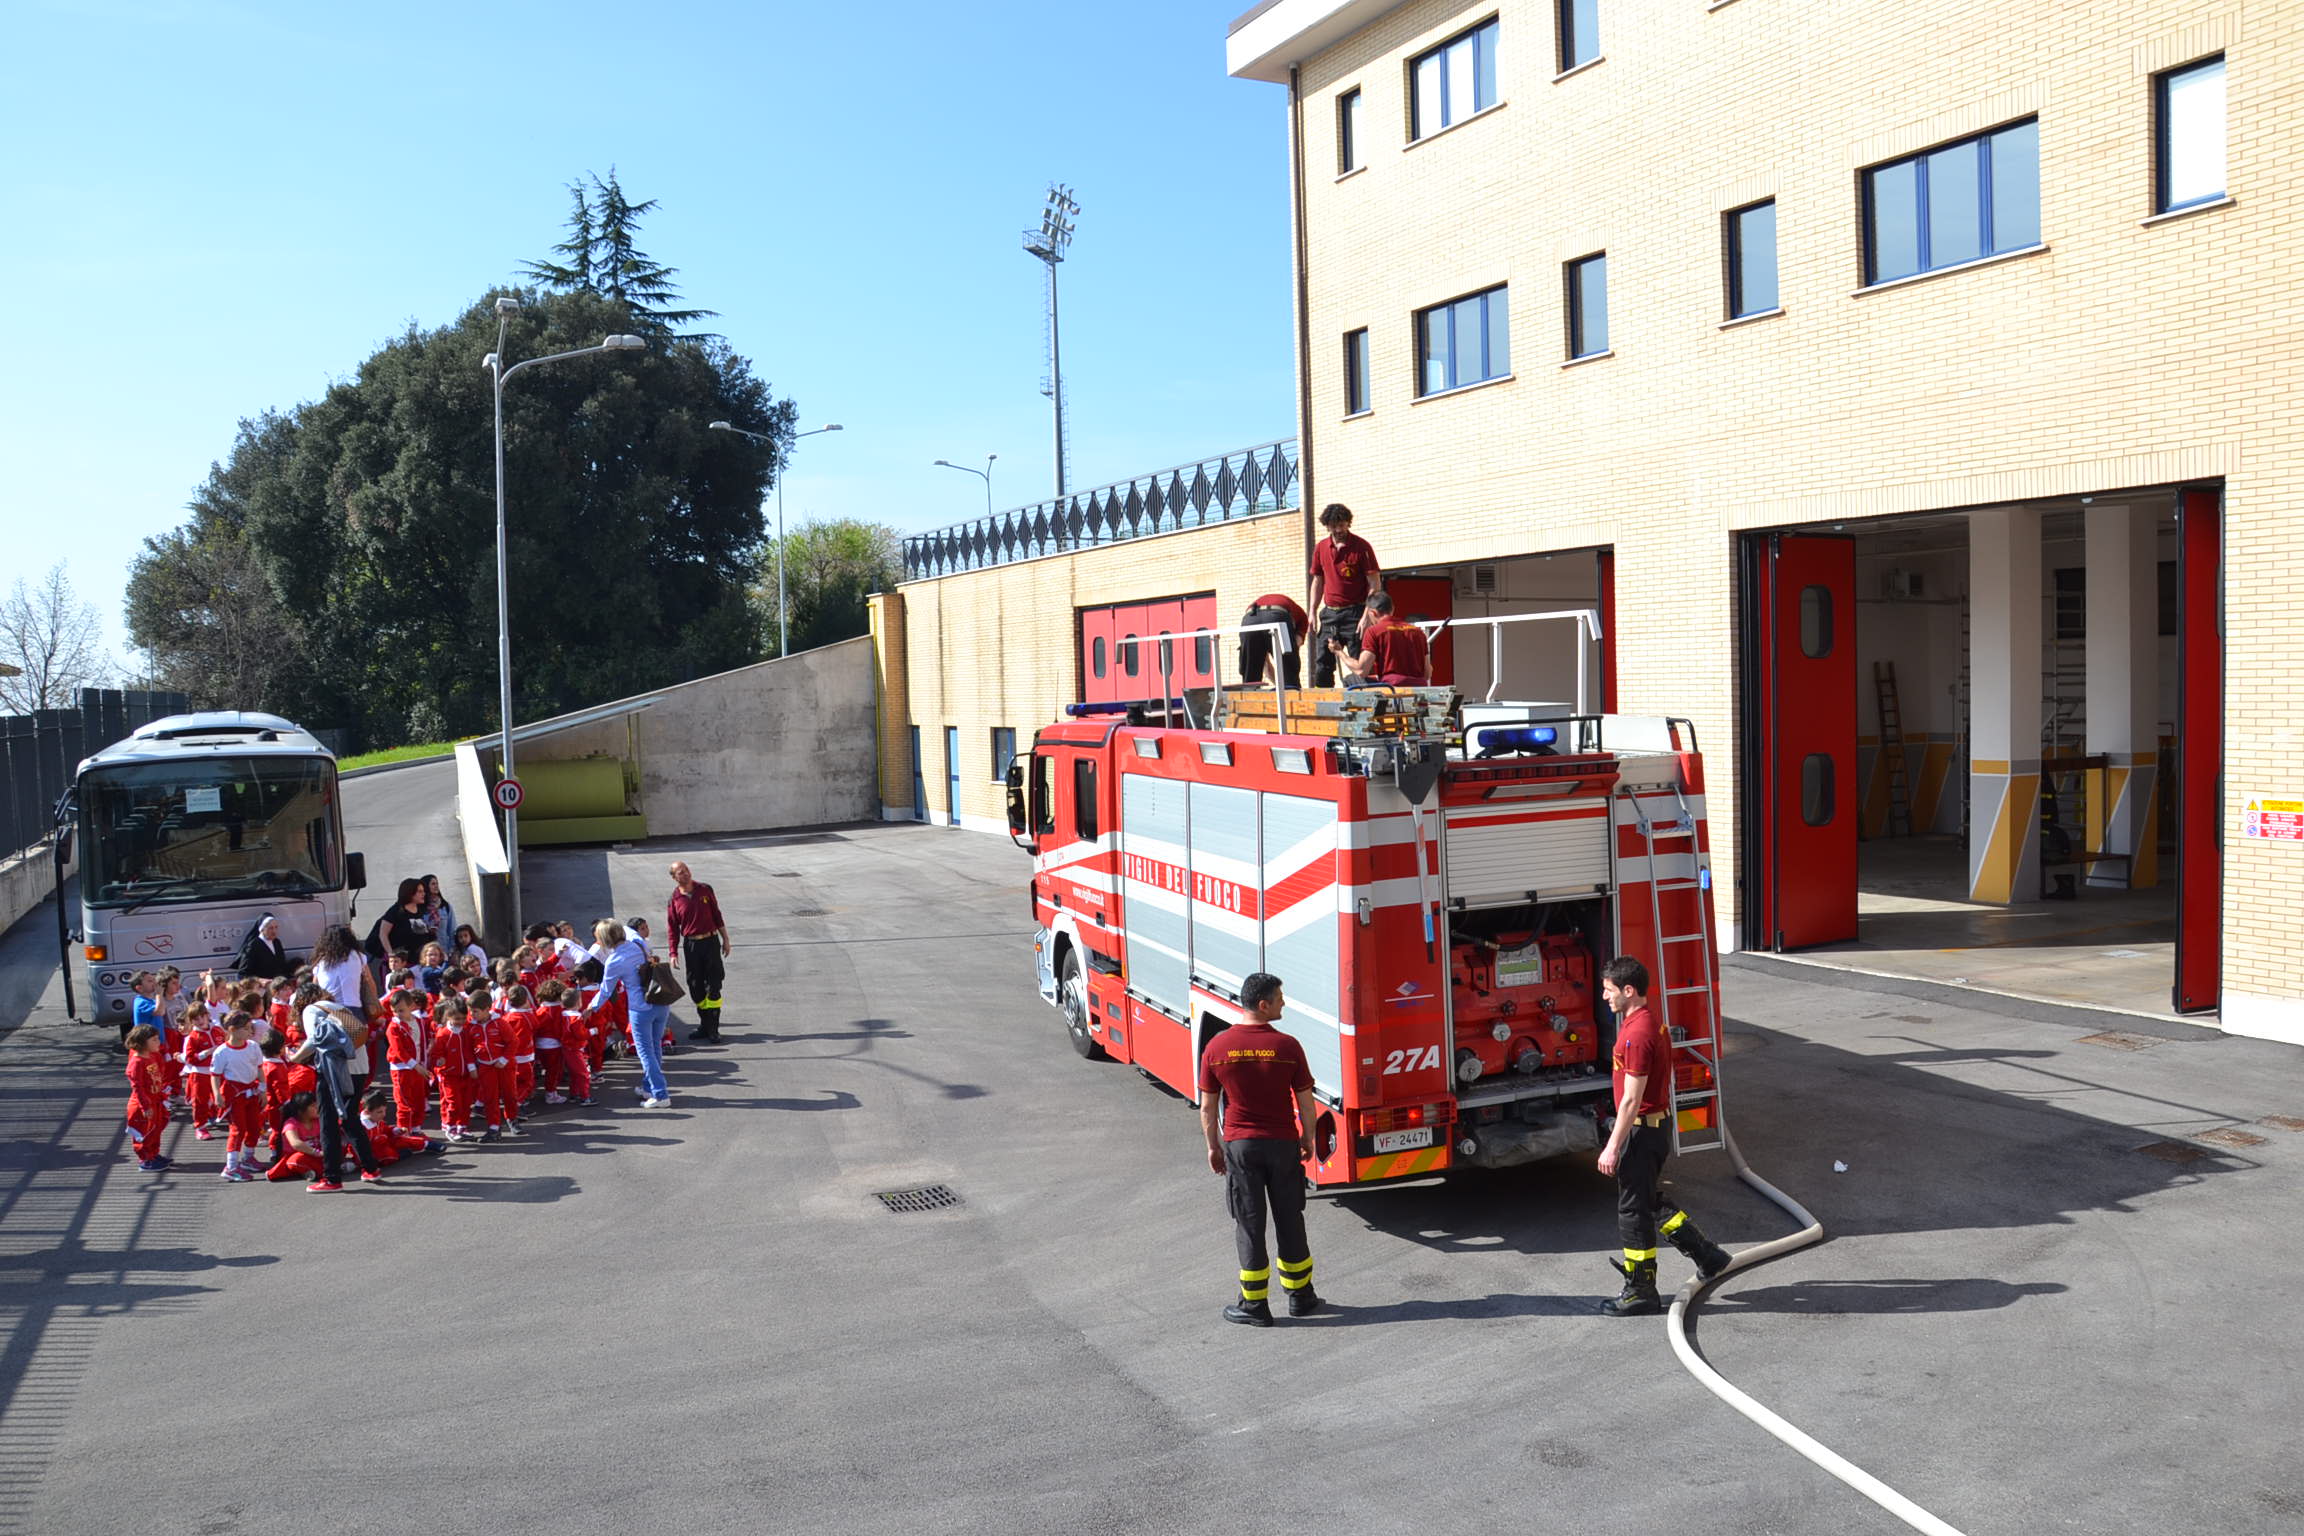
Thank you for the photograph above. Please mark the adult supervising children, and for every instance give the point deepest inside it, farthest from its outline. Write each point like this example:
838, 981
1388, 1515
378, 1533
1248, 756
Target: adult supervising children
1638, 1144
696, 933
1344, 572
1260, 1145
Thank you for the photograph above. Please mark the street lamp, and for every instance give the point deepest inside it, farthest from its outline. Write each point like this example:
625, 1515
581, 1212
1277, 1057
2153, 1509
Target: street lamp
783, 616
985, 473
506, 308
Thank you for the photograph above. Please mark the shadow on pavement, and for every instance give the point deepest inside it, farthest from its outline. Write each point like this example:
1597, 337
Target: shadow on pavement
1459, 1308
1879, 1297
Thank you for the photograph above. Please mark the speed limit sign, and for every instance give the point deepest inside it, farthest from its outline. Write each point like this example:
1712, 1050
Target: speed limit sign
508, 794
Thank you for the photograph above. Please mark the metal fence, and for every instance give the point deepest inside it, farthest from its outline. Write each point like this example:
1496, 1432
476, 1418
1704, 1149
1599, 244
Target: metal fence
1232, 485
39, 753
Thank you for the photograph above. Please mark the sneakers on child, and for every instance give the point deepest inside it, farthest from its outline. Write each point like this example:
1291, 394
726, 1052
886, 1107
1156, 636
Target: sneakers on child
371, 1178
323, 1187
655, 1103
490, 1134
555, 1098
154, 1165
204, 1133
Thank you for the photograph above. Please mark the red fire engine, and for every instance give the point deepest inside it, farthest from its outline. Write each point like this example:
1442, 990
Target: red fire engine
1435, 884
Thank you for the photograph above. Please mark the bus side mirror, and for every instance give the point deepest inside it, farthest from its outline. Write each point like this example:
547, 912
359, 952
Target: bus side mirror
63, 847
1018, 815
356, 871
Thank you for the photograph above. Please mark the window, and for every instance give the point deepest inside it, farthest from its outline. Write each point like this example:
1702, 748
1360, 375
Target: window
1355, 371
2189, 153
1752, 260
1043, 793
1348, 132
1096, 654
1815, 622
1131, 656
1588, 306
1463, 342
1579, 33
1453, 81
1959, 203
1084, 799
1003, 751
1816, 789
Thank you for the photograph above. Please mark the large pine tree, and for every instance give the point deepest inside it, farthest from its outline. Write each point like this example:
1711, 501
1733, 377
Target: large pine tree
602, 255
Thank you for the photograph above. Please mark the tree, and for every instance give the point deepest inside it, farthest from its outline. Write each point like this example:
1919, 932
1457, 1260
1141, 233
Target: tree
602, 255
829, 569
52, 641
369, 517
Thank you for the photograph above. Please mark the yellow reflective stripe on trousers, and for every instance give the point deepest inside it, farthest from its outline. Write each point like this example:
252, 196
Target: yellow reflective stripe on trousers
1295, 1276
1251, 1276
1678, 1219
1636, 1255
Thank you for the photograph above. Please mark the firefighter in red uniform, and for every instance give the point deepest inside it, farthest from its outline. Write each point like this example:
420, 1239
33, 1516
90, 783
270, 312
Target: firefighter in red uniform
1259, 667
1638, 1144
1344, 572
1396, 651
1266, 1138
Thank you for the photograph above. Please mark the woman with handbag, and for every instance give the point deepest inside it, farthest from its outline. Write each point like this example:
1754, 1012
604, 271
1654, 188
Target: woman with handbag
629, 969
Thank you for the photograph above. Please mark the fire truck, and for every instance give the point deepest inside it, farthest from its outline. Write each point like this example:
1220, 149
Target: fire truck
1435, 883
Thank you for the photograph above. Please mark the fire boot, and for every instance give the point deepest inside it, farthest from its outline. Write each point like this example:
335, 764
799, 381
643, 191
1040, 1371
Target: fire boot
1708, 1256
1639, 1298
1256, 1314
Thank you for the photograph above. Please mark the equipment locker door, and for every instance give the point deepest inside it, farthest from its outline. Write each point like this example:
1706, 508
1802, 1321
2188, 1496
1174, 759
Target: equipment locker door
1803, 684
2199, 750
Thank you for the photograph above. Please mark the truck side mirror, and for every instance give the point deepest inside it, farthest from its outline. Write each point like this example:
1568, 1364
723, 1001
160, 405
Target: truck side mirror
356, 871
1019, 816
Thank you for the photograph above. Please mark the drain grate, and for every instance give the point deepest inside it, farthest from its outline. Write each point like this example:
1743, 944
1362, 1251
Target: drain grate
928, 1197
2121, 1040
2173, 1151
2229, 1136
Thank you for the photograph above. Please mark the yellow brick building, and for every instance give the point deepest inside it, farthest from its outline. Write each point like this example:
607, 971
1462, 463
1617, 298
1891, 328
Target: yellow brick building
1980, 384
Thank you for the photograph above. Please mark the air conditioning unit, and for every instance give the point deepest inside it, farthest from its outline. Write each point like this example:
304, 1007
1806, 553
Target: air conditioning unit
1897, 582
1478, 581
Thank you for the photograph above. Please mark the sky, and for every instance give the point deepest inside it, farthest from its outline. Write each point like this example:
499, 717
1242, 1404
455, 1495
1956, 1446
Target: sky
223, 208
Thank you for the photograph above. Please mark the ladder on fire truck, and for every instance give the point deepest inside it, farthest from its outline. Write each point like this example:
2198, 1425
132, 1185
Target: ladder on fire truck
1700, 1042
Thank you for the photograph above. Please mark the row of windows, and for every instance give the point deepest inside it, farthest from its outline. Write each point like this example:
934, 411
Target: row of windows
1935, 208
1943, 207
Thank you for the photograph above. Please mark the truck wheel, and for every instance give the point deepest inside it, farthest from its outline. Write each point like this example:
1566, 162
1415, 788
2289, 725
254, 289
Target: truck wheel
1072, 992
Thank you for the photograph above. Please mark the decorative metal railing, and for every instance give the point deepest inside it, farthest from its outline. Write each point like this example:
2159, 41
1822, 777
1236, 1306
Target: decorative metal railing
1243, 483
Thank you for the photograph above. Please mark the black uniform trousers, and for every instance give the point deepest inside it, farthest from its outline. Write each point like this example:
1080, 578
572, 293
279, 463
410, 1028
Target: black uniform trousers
1263, 1174
339, 1123
1256, 650
1640, 1203
1340, 624
705, 973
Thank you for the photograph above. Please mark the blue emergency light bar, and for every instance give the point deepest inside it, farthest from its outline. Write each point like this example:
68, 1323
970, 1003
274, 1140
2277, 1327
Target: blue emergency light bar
1497, 740
1117, 707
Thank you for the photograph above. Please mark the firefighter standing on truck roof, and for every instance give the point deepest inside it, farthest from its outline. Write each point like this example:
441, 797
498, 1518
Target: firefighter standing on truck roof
1638, 1144
1344, 572
1266, 1139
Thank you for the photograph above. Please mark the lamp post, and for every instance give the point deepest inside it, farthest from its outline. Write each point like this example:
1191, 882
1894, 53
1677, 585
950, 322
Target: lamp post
498, 373
783, 614
985, 473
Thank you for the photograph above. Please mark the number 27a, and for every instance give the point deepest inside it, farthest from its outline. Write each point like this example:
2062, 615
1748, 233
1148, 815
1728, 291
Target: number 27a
1426, 1059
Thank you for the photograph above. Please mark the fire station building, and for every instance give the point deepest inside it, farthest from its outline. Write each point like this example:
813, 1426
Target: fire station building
1906, 391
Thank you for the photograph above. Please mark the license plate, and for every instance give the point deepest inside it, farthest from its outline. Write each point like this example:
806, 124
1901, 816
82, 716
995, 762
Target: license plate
1403, 1141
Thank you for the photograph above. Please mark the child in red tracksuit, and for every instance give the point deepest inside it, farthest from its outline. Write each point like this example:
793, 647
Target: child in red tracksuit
456, 1047
405, 1040
239, 1066
520, 1034
566, 1060
391, 1142
147, 1097
170, 993
284, 1079
297, 1140
199, 1076
496, 1105
282, 1011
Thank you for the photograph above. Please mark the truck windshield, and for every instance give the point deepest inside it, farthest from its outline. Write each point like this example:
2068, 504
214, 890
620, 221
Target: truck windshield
209, 829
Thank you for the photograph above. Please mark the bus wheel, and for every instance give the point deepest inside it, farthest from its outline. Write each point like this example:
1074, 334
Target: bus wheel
1073, 993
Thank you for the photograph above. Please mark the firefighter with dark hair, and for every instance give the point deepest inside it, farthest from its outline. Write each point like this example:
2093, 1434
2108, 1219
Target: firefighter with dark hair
1639, 1142
1260, 1145
1344, 571
1261, 663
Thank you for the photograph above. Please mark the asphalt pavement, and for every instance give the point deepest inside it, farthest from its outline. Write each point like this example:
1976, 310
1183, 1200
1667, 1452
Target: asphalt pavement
2047, 1302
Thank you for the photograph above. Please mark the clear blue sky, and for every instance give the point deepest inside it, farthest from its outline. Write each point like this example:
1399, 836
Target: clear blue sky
220, 208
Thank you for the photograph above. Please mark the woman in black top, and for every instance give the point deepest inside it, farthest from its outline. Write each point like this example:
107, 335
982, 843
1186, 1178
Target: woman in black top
401, 930
262, 953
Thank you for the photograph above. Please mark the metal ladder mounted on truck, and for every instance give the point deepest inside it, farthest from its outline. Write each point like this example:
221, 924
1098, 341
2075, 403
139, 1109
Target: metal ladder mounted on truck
1697, 1040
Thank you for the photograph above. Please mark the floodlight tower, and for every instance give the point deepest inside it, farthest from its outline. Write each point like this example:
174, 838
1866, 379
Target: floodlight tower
1048, 244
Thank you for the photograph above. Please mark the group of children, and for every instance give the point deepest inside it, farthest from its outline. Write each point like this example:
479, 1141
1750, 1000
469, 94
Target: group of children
488, 1041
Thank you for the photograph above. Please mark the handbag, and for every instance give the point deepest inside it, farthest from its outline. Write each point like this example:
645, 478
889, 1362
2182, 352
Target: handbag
663, 988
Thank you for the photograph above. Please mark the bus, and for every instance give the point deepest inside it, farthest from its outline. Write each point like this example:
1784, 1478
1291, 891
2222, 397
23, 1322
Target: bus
193, 827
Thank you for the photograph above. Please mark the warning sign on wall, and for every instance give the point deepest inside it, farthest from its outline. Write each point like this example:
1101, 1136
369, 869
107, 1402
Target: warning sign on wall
2273, 821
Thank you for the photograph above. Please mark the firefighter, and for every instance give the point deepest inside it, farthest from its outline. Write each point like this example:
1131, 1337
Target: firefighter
695, 932
1259, 667
1344, 571
1395, 651
1266, 1138
1639, 1142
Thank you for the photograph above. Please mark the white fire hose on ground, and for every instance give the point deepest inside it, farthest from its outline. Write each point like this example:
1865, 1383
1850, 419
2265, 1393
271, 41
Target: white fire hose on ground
1807, 1445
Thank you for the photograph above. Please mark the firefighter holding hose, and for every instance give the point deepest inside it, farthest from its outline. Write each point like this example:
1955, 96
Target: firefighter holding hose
1639, 1142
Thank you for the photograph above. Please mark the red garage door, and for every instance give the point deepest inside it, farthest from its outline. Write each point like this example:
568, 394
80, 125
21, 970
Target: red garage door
1127, 648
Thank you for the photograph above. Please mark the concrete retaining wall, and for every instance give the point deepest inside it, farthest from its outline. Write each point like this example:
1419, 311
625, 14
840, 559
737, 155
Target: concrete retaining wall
487, 872
26, 880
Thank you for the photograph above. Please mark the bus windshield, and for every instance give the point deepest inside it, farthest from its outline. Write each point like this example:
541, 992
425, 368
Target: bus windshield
208, 829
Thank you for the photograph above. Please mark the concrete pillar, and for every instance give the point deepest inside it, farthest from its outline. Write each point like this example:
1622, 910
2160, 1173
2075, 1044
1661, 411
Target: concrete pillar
2004, 605
2124, 692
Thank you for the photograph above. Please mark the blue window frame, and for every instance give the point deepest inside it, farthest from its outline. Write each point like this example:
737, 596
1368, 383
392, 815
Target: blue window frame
1956, 203
2188, 148
1463, 342
1579, 33
1449, 83
1356, 371
1588, 305
1003, 751
1752, 260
